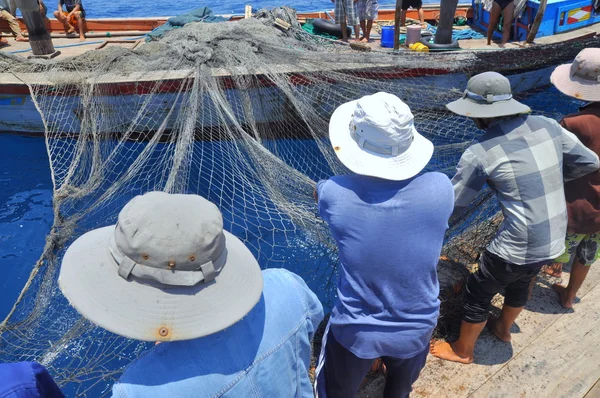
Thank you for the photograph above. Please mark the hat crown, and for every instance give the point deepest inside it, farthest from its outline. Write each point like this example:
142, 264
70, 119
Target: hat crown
170, 231
489, 83
587, 65
384, 121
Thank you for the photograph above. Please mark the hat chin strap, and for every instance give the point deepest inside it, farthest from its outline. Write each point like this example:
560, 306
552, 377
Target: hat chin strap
205, 273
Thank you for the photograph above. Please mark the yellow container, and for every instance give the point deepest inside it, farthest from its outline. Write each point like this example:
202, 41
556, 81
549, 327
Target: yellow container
419, 47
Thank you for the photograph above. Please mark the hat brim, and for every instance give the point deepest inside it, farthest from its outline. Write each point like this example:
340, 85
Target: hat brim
362, 161
574, 86
466, 107
140, 311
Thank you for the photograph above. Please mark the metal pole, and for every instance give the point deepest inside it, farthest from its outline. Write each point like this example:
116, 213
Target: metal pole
39, 38
397, 25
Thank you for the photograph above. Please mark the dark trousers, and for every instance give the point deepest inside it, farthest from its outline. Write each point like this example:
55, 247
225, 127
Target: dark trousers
341, 372
493, 276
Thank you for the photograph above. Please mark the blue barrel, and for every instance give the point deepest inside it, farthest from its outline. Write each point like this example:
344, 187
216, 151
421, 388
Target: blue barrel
387, 36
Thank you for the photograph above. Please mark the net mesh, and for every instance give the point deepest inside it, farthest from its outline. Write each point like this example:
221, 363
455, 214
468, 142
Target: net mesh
237, 113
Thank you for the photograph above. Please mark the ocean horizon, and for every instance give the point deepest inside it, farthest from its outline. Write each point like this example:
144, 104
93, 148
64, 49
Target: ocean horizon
160, 8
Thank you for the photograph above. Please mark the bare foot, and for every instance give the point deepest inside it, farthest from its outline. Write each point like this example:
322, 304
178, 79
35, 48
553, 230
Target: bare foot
554, 270
444, 350
3, 42
493, 325
364, 40
21, 39
70, 31
81, 38
562, 292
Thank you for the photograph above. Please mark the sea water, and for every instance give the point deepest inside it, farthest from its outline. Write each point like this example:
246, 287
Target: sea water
25, 211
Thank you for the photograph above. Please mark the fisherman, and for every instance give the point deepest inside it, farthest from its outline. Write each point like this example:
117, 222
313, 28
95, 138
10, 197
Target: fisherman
168, 272
581, 80
415, 5
521, 158
389, 224
27, 380
506, 8
75, 15
13, 23
345, 13
367, 13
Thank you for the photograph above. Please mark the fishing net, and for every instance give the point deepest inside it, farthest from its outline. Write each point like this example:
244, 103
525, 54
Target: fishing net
238, 113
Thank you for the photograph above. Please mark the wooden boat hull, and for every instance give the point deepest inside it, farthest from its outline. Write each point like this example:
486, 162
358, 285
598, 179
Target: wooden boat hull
270, 106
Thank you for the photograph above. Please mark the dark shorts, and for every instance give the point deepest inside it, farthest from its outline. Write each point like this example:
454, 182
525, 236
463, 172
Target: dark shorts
494, 276
503, 3
340, 372
416, 4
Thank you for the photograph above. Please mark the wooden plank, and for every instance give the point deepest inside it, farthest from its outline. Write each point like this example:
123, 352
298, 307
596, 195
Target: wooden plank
449, 379
561, 362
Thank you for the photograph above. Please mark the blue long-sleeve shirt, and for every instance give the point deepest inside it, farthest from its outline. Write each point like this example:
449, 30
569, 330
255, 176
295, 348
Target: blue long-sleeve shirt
266, 354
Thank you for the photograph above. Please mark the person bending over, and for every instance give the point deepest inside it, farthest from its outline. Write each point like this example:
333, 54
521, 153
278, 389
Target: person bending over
388, 220
521, 158
168, 272
74, 15
581, 80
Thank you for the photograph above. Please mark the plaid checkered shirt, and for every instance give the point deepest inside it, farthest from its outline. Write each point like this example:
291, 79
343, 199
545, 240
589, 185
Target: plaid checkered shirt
526, 161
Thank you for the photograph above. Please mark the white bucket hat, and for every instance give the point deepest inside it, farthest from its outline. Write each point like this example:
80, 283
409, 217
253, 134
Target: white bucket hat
581, 79
376, 136
167, 271
488, 95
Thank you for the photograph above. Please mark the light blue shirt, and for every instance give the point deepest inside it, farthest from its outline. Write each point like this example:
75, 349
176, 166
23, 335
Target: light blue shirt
389, 235
266, 354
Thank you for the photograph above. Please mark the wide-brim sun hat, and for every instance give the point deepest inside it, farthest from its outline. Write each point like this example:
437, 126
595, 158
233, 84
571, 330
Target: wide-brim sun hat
167, 271
580, 79
488, 95
375, 136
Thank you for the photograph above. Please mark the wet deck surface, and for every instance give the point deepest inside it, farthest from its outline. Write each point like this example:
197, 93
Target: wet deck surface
553, 353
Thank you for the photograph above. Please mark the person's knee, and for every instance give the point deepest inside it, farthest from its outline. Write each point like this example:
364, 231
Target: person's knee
57, 15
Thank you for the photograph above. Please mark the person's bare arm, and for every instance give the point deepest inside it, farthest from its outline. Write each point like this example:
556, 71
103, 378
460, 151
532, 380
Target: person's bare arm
59, 8
75, 9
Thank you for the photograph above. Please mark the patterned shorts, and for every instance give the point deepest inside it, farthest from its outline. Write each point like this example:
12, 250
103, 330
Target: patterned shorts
585, 247
345, 10
368, 9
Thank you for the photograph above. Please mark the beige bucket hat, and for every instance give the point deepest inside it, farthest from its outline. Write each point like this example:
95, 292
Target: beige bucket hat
580, 79
488, 95
167, 271
376, 136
